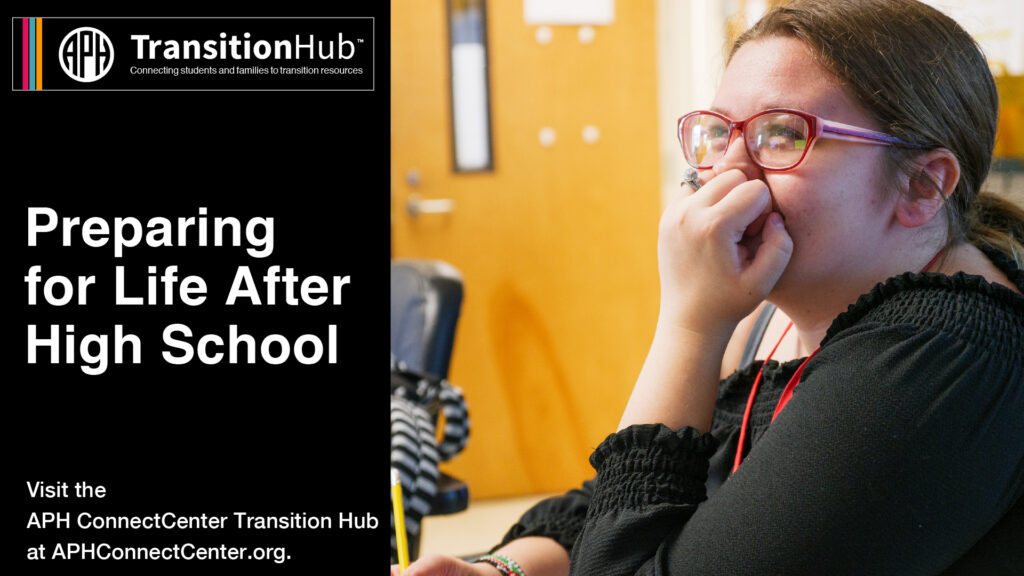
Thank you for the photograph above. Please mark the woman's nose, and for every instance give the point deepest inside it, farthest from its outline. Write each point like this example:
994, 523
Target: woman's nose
737, 157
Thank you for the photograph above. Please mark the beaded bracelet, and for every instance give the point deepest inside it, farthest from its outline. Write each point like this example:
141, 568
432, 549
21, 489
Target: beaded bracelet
504, 564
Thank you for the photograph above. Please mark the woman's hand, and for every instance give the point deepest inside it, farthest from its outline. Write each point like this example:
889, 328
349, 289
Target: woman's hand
437, 565
721, 250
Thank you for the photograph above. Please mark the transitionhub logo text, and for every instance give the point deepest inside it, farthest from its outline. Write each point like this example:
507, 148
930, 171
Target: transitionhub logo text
193, 53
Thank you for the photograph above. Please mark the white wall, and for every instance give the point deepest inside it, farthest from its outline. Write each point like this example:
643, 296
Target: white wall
691, 55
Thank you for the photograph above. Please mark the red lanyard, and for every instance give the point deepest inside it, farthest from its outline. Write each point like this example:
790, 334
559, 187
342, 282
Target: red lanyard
787, 392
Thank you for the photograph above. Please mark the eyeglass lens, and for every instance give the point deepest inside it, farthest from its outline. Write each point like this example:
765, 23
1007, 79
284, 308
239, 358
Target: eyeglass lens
776, 140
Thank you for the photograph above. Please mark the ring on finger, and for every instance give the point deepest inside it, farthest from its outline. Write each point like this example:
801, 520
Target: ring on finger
690, 177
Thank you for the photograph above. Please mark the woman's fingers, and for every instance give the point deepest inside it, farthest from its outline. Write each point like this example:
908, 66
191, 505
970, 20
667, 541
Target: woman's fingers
720, 251
719, 187
748, 204
772, 255
744, 204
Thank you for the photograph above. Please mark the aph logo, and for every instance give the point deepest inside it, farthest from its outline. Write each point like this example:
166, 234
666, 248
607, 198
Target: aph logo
86, 54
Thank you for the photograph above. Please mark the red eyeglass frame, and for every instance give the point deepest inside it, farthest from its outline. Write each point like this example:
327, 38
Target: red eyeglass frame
818, 127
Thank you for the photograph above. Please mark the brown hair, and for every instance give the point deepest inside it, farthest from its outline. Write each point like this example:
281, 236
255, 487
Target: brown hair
921, 78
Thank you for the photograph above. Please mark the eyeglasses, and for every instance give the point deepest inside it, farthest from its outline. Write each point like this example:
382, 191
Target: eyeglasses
776, 139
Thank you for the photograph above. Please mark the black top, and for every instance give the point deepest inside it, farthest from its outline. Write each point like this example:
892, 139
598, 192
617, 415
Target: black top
901, 452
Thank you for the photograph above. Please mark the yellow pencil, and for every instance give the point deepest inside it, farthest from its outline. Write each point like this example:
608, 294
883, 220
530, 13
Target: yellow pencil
396, 503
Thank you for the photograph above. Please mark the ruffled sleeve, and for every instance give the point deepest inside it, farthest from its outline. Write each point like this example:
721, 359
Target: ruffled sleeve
653, 472
650, 481
649, 465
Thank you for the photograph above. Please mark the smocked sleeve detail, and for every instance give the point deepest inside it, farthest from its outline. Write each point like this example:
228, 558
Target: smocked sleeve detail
650, 464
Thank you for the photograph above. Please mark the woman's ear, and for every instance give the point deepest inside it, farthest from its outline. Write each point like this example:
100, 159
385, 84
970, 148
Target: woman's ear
937, 176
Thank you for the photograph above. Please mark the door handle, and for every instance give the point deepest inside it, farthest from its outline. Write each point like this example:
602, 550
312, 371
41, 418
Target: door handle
416, 205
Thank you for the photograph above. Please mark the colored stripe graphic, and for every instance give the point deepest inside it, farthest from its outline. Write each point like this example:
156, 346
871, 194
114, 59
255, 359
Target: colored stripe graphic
39, 53
24, 53
32, 54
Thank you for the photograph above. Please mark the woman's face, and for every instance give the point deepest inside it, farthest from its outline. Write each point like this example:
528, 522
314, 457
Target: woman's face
833, 202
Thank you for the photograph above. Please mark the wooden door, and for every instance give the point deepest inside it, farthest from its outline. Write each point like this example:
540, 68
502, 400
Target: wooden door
557, 244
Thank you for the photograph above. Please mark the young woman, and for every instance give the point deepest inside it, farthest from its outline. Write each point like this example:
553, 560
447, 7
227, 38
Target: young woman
840, 169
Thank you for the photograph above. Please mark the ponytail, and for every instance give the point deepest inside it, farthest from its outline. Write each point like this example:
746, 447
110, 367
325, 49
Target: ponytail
996, 222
